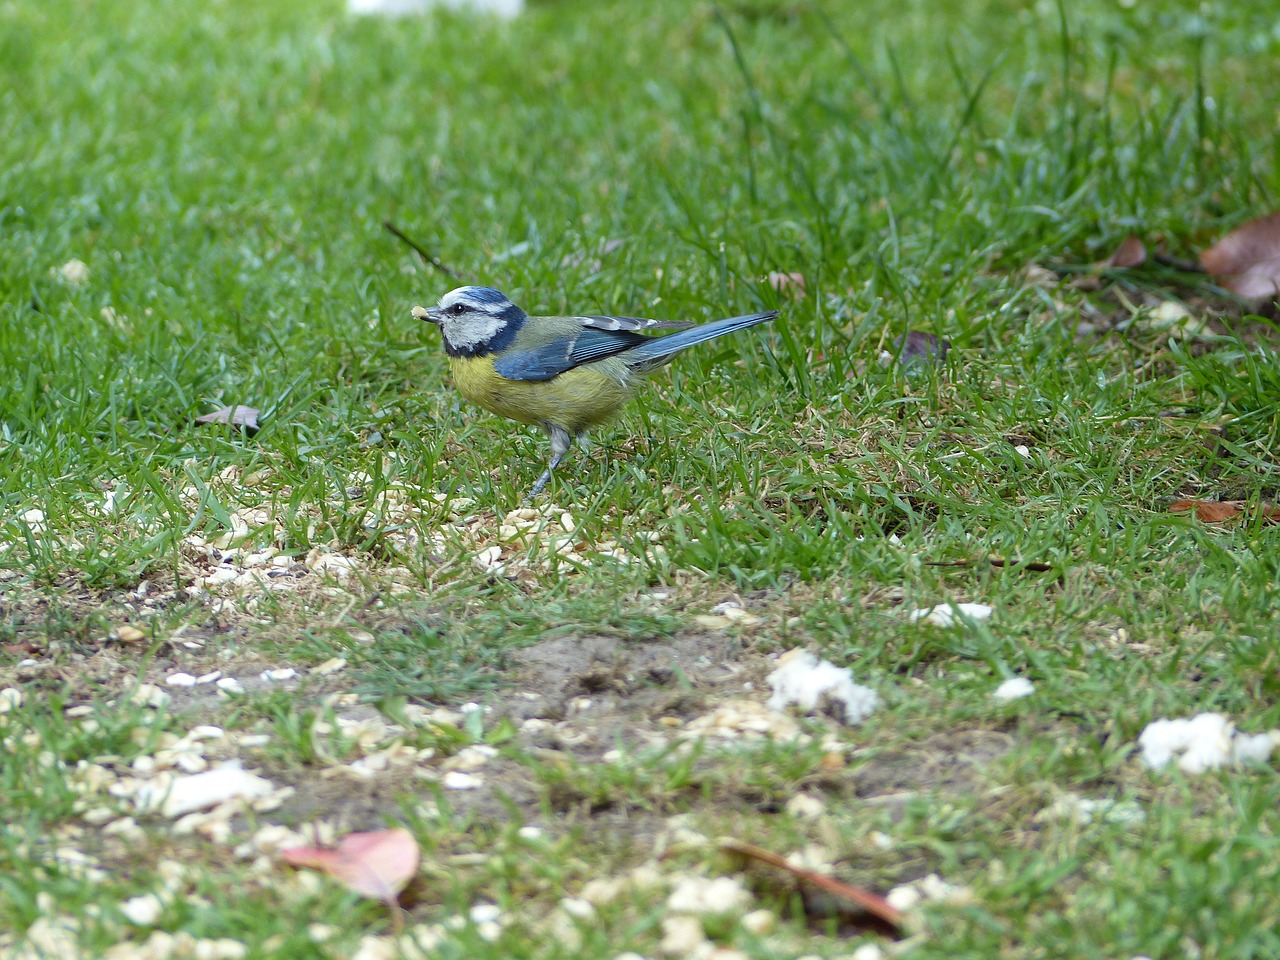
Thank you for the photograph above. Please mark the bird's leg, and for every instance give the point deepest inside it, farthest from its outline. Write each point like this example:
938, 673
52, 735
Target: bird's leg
560, 444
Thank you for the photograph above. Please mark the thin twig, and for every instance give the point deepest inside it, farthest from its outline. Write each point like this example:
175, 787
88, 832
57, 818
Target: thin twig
416, 248
1037, 565
1188, 266
875, 905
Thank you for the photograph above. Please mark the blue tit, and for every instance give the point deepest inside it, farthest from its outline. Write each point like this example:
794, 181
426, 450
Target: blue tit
563, 374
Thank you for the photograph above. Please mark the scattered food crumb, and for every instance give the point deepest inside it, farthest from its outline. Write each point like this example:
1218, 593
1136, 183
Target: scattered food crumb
457, 780
182, 795
149, 695
144, 910
932, 889
471, 758
705, 896
1205, 742
805, 806
74, 272
578, 908
735, 719
1015, 688
868, 951
949, 614
1085, 810
682, 936
130, 634
760, 922
818, 685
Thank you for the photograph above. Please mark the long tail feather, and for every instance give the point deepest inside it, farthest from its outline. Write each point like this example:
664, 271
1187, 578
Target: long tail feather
661, 349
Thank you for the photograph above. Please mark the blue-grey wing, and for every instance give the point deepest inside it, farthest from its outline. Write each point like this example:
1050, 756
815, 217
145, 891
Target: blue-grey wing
540, 363
564, 353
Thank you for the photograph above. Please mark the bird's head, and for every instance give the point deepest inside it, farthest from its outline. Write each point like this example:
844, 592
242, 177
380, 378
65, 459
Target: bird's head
474, 321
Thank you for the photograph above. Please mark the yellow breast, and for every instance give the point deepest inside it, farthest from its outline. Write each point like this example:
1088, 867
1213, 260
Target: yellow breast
576, 400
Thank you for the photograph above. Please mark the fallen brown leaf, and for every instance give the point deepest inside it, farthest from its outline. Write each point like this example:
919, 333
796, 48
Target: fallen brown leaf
22, 648
237, 416
378, 864
1132, 252
872, 903
1218, 511
1247, 260
915, 347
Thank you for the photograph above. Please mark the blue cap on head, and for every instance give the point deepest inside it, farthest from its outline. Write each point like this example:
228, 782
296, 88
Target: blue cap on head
477, 320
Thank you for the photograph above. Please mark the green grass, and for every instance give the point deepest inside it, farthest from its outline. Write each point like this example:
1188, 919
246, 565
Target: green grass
224, 171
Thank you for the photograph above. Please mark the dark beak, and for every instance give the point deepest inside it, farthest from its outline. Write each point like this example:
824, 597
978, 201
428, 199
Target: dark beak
429, 314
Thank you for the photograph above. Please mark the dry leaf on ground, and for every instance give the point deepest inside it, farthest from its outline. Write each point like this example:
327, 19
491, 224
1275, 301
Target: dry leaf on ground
378, 864
1131, 253
916, 347
1247, 260
1218, 511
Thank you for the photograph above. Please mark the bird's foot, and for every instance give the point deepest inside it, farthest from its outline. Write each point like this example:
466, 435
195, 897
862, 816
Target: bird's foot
539, 486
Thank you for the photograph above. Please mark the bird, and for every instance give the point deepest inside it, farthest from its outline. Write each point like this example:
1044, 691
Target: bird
565, 374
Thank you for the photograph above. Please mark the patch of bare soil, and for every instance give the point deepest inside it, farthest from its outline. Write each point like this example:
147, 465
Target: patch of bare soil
600, 693
953, 760
589, 695
627, 682
572, 700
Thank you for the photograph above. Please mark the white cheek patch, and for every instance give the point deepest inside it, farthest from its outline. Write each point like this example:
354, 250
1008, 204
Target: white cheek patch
473, 330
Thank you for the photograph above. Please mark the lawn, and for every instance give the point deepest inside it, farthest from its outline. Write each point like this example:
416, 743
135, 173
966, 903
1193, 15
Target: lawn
562, 701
